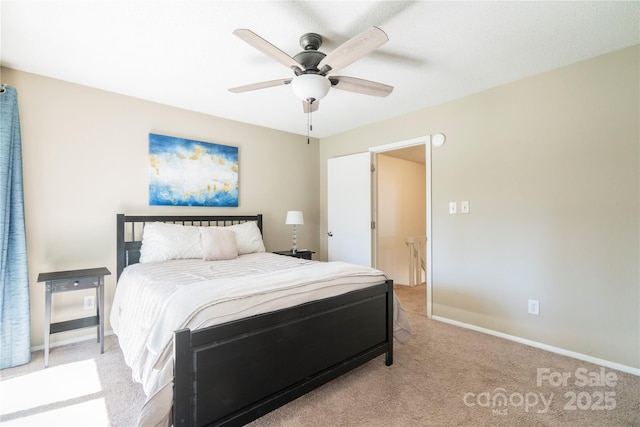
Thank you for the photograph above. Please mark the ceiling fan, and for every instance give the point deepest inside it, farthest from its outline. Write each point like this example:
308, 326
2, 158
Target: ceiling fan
312, 68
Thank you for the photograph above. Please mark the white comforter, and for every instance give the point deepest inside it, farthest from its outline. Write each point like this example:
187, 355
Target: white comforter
153, 300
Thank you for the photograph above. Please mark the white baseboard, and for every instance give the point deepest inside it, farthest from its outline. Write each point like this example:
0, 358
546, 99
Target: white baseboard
562, 351
82, 338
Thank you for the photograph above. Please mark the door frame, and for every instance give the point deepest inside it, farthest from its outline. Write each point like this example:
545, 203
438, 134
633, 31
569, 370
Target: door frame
426, 140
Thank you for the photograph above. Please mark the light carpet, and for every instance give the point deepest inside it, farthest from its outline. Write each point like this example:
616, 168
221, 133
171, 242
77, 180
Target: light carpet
445, 376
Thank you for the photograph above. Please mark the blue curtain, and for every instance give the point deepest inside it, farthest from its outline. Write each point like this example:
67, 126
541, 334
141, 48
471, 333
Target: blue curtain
15, 318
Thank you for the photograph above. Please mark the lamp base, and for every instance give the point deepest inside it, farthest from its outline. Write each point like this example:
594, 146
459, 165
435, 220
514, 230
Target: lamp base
294, 247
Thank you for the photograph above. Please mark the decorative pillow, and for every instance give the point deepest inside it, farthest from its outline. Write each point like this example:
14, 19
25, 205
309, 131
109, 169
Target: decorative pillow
248, 237
162, 242
218, 243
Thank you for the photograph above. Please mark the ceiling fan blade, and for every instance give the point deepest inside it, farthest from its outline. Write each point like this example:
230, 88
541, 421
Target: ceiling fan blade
261, 85
365, 87
310, 108
354, 49
267, 48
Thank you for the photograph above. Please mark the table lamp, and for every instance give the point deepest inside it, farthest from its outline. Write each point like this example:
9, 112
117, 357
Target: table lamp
294, 218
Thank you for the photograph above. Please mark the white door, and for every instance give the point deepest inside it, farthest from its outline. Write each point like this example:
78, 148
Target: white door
349, 209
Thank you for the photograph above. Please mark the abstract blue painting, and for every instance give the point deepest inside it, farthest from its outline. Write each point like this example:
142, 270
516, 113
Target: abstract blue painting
183, 172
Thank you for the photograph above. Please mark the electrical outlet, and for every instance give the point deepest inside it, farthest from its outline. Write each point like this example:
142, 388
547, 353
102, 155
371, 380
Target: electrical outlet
534, 307
89, 303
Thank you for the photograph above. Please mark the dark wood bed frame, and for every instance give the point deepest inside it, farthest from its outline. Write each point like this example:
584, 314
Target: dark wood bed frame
233, 373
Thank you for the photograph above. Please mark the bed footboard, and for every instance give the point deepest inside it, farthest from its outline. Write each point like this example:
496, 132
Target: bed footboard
233, 373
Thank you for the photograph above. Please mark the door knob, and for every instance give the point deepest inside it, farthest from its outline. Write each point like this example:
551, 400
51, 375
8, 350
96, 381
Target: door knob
330, 234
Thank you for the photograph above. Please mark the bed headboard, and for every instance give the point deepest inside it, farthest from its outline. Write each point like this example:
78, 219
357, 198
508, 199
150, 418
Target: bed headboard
129, 231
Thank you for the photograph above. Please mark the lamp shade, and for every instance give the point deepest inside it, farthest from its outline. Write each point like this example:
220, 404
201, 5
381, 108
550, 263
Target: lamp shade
294, 218
310, 87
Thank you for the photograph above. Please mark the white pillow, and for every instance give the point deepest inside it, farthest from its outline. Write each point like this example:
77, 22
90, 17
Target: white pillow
162, 242
248, 237
218, 243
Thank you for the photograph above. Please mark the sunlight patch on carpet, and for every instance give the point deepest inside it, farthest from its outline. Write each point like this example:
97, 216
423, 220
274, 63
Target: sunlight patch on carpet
51, 395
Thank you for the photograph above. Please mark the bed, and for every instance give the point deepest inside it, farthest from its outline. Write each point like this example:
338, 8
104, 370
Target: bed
225, 340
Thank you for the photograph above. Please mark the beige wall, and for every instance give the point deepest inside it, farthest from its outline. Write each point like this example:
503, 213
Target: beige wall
551, 167
85, 160
401, 213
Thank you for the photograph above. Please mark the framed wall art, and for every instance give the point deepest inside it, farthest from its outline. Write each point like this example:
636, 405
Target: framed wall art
184, 172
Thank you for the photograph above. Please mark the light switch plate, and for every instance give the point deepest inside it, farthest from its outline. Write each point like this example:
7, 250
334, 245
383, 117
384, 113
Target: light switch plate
464, 207
453, 208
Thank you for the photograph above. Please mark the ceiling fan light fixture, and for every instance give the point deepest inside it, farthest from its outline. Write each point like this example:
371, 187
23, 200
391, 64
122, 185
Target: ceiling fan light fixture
310, 87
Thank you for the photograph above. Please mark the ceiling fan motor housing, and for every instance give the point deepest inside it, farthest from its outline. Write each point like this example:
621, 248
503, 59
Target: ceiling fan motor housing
311, 56
309, 59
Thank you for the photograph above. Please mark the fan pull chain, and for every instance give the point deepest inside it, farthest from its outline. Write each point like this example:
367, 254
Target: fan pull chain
309, 119
310, 123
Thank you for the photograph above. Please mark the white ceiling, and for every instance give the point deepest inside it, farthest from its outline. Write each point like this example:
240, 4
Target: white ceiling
183, 53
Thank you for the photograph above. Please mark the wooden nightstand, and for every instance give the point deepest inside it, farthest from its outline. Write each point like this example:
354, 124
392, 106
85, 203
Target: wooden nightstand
65, 281
305, 254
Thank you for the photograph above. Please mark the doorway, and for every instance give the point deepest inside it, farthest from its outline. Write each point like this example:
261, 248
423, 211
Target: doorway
400, 206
